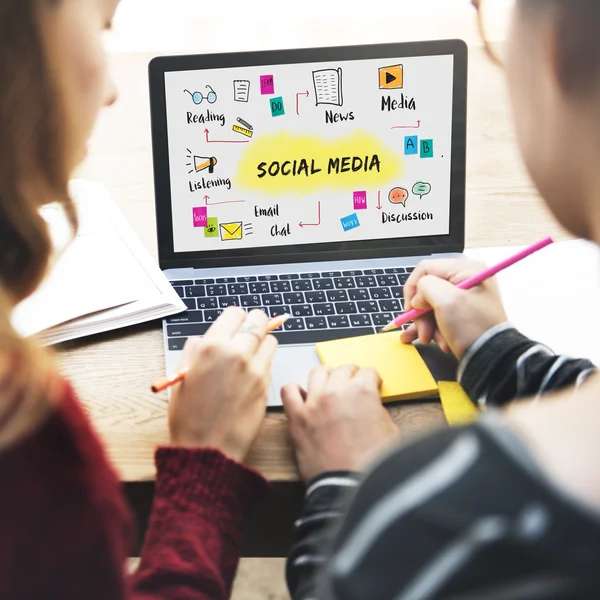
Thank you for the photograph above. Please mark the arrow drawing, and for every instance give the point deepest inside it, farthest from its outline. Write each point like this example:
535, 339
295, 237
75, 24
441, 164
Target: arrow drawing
207, 203
379, 207
408, 126
301, 224
306, 93
223, 141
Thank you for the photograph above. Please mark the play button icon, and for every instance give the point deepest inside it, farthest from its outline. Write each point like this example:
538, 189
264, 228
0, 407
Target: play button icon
391, 78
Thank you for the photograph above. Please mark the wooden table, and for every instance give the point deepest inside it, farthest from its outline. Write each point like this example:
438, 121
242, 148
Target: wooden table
112, 372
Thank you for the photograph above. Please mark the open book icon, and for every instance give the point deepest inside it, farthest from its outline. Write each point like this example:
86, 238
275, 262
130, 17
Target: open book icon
328, 86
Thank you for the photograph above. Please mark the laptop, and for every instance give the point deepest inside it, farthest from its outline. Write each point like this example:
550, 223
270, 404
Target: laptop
306, 181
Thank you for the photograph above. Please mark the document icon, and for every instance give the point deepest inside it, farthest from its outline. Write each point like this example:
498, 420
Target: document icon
231, 231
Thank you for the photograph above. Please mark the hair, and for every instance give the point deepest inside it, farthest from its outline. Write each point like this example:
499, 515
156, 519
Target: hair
577, 22
33, 172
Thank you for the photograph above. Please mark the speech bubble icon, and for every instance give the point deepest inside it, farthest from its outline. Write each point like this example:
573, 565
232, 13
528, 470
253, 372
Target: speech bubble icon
421, 189
398, 195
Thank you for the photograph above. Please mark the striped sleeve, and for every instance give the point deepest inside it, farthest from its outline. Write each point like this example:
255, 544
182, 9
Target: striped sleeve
504, 365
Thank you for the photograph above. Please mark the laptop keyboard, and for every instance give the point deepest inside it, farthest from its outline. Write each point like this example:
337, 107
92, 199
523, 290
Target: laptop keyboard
324, 305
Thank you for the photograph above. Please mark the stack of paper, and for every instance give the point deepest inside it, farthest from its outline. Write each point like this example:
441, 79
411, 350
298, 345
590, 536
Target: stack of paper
103, 280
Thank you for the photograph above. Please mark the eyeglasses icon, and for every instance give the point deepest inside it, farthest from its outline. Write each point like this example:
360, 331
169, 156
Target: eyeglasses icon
197, 97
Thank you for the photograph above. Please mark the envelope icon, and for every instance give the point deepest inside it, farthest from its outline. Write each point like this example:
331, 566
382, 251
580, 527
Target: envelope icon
231, 231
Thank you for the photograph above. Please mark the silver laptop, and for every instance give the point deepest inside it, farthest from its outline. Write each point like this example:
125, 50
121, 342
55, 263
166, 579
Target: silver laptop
308, 182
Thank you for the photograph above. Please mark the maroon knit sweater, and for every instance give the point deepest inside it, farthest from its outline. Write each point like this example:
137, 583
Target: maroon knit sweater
65, 530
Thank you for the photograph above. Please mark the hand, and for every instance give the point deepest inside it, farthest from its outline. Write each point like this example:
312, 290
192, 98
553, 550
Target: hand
460, 316
341, 424
221, 402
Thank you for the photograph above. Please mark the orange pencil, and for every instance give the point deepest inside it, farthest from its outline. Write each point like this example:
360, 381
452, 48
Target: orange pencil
165, 382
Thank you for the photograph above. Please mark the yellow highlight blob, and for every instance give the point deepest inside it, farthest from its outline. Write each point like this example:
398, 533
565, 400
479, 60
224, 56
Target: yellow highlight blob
309, 163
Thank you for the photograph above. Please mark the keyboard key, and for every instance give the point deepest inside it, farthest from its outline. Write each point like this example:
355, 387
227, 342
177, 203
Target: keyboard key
225, 301
313, 336
226, 280
360, 321
397, 292
323, 284
316, 323
393, 305
337, 296
302, 310
359, 294
280, 286
373, 271
402, 279
246, 279
342, 283
382, 319
204, 281
207, 303
289, 277
324, 309
294, 325
396, 270
212, 315
190, 316
294, 298
187, 330
345, 308
259, 288
309, 275
303, 285
177, 343
331, 274
216, 290
180, 292
272, 299
237, 289
410, 269
182, 283
367, 307
380, 293
313, 297
338, 321
386, 280
190, 303
268, 278
263, 308
354, 273
250, 301
194, 291
366, 281
277, 311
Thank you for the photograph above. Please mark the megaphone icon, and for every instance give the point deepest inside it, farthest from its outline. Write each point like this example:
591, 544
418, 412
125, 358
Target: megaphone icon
204, 162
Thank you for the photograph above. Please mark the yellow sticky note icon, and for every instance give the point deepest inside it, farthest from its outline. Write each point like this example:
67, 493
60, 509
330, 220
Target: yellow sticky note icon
231, 231
458, 407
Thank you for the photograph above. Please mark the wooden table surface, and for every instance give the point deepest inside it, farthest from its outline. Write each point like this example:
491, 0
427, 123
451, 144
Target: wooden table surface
112, 371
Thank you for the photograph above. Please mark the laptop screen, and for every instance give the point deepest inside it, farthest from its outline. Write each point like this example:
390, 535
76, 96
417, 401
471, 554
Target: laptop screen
310, 153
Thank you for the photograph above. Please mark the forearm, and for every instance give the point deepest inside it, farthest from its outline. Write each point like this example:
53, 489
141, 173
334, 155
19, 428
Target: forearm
503, 365
327, 497
192, 547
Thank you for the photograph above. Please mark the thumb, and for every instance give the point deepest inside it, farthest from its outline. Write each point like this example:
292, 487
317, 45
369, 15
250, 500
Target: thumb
293, 400
434, 292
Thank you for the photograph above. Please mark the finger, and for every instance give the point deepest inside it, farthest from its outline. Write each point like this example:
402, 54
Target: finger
408, 336
190, 349
293, 403
263, 357
441, 342
341, 375
252, 332
317, 379
425, 329
369, 376
438, 293
227, 324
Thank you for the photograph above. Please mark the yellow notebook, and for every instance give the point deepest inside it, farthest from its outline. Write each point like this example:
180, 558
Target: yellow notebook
458, 407
404, 373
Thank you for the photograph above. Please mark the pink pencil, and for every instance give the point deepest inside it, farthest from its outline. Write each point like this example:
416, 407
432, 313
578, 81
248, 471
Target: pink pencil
413, 314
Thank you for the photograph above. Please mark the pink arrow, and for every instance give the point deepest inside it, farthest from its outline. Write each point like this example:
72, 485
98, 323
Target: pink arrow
408, 126
301, 224
223, 141
297, 100
379, 207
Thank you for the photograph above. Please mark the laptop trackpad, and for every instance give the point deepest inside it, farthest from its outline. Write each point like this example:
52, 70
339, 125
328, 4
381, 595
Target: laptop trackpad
291, 364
